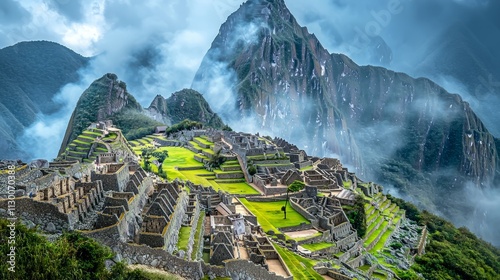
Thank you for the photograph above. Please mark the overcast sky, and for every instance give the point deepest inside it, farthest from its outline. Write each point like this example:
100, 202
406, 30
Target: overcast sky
156, 47
165, 40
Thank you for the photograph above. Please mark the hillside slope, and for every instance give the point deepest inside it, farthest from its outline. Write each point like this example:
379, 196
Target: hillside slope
406, 132
32, 73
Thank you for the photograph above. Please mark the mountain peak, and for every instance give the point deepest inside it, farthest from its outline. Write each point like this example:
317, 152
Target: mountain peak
281, 79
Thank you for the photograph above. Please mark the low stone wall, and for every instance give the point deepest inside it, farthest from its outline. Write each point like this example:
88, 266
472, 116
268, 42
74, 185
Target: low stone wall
244, 269
172, 234
268, 190
230, 175
272, 161
193, 149
337, 276
157, 258
168, 143
231, 168
302, 164
302, 226
190, 168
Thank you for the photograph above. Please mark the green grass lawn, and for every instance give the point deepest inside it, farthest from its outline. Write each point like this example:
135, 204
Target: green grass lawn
300, 267
270, 216
234, 188
317, 246
178, 157
182, 242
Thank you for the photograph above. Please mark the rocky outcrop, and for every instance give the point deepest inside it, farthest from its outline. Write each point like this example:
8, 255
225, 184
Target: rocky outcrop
104, 98
181, 105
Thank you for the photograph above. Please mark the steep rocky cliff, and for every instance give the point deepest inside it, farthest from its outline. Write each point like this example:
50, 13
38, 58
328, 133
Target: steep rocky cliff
407, 132
181, 105
102, 100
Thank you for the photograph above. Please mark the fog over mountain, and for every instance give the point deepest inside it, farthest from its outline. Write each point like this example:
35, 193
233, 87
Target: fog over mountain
157, 47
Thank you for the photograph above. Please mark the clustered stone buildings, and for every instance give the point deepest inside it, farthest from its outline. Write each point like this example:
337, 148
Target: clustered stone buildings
140, 218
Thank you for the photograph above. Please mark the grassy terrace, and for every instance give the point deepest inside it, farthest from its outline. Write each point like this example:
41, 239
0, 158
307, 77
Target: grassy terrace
374, 235
347, 184
179, 157
270, 216
90, 132
197, 237
309, 167
317, 246
235, 188
383, 239
182, 242
204, 141
300, 267
370, 218
372, 225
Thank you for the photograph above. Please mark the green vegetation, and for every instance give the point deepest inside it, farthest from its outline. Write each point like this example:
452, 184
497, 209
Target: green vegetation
182, 242
296, 186
452, 253
198, 239
252, 170
183, 125
134, 124
300, 267
317, 246
357, 216
269, 214
236, 188
71, 256
188, 104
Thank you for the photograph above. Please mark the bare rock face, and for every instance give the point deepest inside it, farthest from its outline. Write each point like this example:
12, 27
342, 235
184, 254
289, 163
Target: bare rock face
410, 133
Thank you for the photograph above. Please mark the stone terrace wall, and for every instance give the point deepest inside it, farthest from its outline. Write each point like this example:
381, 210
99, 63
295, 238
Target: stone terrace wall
141, 254
41, 213
172, 234
302, 226
304, 213
244, 269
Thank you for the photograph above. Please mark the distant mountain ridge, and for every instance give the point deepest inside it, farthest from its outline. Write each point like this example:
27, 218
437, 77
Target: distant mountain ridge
31, 74
405, 132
